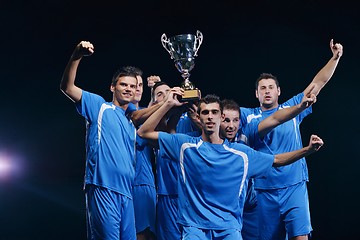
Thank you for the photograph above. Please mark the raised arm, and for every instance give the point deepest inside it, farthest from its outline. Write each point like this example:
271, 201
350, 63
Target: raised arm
147, 130
289, 157
139, 116
151, 82
324, 75
67, 85
285, 114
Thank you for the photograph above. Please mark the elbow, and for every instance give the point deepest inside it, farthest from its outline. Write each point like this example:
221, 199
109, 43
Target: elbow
136, 119
277, 162
64, 87
65, 90
140, 133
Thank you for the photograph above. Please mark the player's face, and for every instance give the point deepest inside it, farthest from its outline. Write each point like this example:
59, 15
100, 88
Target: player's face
139, 90
210, 117
268, 93
124, 90
230, 124
160, 92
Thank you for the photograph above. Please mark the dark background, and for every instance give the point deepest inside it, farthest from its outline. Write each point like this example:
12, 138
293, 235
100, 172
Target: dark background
42, 135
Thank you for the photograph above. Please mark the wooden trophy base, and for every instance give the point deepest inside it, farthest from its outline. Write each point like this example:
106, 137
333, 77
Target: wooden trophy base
191, 95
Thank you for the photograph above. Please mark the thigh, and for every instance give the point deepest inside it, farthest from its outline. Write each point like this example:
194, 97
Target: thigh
167, 211
250, 228
145, 207
271, 225
103, 214
295, 209
127, 224
110, 215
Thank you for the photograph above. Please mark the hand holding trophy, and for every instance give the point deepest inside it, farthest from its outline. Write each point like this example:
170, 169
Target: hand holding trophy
183, 49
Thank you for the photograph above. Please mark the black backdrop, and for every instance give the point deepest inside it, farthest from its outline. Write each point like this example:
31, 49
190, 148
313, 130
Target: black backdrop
41, 130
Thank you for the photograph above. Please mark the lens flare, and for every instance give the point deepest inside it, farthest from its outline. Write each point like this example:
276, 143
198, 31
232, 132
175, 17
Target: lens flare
10, 167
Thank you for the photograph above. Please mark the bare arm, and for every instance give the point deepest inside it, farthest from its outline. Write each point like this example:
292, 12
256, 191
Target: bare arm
289, 157
139, 116
67, 85
151, 82
324, 75
147, 130
285, 114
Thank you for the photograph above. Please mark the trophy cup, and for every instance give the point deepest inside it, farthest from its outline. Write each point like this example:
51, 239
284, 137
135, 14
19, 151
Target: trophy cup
183, 48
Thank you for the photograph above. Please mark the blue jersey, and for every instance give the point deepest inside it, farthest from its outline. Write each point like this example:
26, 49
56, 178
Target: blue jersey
284, 138
143, 167
185, 124
211, 178
110, 144
144, 156
166, 169
166, 175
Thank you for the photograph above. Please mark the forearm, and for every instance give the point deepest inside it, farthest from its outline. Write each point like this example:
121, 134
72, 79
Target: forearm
139, 116
67, 84
324, 75
291, 157
154, 119
279, 117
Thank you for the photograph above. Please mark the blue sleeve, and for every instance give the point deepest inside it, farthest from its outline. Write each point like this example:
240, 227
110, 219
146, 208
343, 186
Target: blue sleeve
130, 109
141, 143
296, 100
250, 134
244, 112
89, 105
185, 124
259, 163
170, 145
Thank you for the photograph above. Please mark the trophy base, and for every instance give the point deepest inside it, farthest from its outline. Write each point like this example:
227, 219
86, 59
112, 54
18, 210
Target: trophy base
191, 95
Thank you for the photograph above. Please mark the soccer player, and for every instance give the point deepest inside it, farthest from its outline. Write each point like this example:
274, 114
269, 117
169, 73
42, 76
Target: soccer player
282, 195
212, 170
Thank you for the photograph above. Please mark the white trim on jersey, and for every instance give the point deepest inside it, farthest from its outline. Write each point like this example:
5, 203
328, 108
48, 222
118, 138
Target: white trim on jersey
99, 120
182, 150
246, 165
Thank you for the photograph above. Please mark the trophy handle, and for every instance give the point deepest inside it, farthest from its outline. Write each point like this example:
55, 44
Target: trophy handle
198, 41
165, 42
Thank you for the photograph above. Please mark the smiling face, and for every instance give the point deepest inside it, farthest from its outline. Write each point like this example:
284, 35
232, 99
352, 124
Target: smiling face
230, 123
124, 90
268, 93
139, 90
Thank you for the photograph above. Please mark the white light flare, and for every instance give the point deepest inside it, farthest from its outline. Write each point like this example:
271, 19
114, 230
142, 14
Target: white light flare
10, 166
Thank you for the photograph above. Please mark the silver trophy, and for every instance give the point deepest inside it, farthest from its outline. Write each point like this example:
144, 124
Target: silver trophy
183, 49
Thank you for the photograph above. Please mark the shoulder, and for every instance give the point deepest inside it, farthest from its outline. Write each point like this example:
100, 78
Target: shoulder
247, 110
294, 100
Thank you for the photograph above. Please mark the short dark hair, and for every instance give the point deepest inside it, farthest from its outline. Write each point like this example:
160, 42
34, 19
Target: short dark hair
156, 85
210, 98
128, 71
229, 104
266, 76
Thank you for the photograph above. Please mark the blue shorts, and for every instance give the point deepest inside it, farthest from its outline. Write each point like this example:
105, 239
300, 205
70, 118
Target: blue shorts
193, 233
109, 215
284, 211
250, 224
167, 211
145, 207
